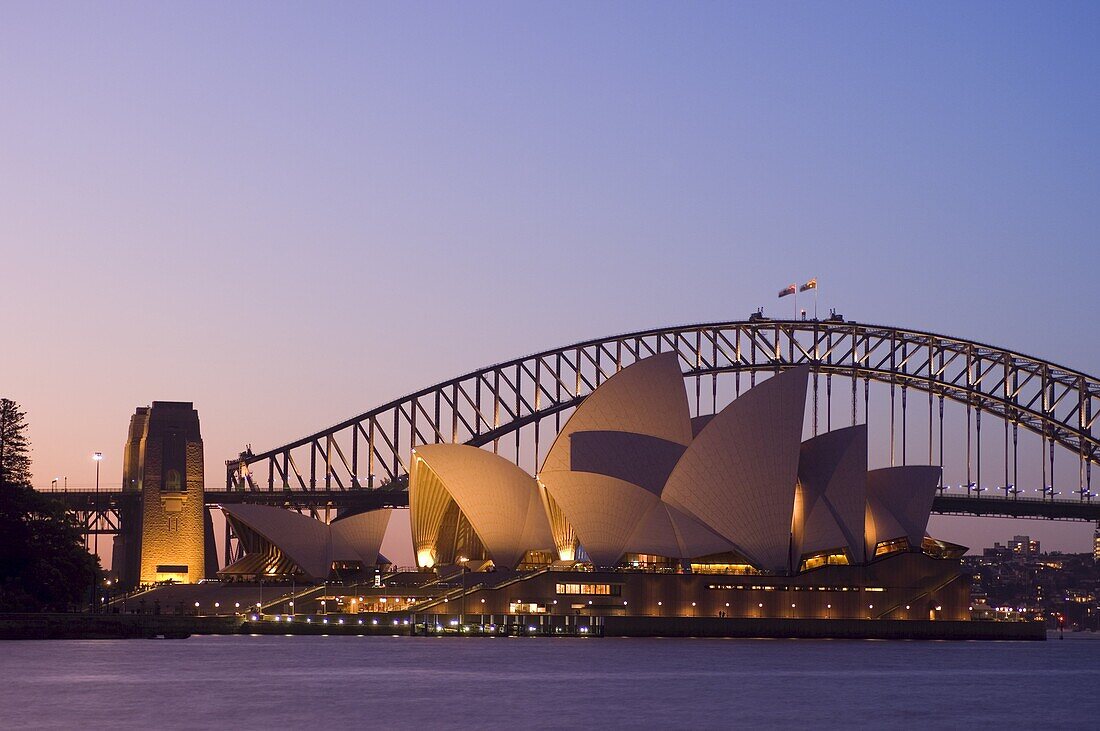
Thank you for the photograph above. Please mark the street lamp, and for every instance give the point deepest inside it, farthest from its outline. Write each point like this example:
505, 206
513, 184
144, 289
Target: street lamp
462, 560
97, 456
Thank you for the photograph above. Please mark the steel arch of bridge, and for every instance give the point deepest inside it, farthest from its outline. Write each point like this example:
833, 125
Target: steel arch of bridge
491, 404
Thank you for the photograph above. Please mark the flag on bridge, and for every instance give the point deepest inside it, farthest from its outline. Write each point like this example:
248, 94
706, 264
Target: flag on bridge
790, 289
812, 284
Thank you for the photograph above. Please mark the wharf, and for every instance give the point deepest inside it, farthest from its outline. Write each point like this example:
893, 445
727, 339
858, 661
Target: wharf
150, 626
839, 629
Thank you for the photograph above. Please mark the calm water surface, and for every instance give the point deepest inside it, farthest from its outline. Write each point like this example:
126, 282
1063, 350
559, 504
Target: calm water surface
370, 682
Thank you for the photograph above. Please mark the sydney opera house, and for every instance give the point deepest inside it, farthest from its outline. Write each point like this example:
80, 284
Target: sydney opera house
640, 509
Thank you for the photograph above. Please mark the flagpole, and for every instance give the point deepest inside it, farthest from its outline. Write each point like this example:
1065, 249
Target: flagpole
815, 301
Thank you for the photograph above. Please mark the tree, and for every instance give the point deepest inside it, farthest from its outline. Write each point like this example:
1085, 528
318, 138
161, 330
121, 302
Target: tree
44, 565
15, 459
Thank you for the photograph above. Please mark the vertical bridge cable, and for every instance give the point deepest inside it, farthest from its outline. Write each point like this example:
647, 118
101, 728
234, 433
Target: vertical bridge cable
1015, 457
969, 481
713, 376
978, 430
855, 364
904, 421
893, 409
815, 398
866, 400
828, 378
904, 393
1043, 460
1006, 455
931, 400
941, 440
1052, 492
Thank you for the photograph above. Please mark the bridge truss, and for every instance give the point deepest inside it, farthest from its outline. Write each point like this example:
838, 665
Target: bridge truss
517, 407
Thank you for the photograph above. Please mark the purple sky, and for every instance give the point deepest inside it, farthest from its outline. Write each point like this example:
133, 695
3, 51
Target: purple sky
289, 214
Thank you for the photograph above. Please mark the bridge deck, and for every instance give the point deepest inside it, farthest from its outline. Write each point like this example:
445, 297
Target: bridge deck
372, 499
999, 507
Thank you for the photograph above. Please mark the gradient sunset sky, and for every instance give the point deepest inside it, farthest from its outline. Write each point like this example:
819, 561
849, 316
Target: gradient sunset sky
289, 213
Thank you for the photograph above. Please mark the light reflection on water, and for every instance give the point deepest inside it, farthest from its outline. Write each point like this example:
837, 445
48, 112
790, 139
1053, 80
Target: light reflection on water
310, 682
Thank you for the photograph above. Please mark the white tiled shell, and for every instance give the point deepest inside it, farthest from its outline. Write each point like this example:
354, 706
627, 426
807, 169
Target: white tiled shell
641, 459
604, 511
654, 534
738, 476
429, 502
899, 501
500, 500
665, 531
832, 475
695, 538
647, 397
363, 532
305, 541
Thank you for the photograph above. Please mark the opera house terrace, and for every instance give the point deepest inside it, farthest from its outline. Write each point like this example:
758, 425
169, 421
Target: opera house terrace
640, 517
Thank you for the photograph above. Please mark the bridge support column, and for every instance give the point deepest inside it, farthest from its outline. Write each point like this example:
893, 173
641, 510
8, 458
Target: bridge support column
174, 514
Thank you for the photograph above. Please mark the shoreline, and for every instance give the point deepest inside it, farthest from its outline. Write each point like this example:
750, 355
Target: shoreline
147, 626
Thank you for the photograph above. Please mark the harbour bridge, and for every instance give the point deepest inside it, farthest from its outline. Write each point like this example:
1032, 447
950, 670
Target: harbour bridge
905, 384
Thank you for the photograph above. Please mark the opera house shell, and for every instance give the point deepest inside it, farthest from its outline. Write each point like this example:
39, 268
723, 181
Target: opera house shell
281, 543
633, 480
639, 509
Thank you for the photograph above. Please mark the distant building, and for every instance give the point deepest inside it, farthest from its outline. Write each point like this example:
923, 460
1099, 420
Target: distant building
1023, 546
1096, 543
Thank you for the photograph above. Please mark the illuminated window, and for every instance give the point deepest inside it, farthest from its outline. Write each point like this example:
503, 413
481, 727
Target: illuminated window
896, 545
723, 568
832, 557
941, 549
591, 589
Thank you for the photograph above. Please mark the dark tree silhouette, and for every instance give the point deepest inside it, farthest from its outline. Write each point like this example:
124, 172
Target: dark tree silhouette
44, 565
15, 458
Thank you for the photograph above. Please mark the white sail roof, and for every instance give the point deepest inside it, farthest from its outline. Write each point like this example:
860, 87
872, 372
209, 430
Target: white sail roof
899, 501
832, 476
647, 397
738, 476
499, 499
311, 544
364, 532
637, 458
604, 511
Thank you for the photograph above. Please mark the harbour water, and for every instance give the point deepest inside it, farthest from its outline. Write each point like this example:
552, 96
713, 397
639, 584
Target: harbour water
251, 682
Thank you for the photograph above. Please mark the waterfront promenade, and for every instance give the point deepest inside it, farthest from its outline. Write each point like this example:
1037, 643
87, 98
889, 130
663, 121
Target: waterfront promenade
150, 626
